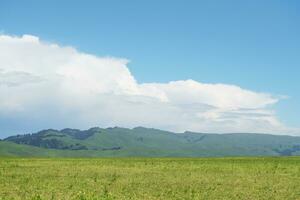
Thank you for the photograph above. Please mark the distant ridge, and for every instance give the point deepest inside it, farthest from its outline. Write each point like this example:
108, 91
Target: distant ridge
149, 142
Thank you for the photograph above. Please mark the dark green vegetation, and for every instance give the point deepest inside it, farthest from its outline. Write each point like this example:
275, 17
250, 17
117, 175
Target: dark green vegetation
122, 142
150, 178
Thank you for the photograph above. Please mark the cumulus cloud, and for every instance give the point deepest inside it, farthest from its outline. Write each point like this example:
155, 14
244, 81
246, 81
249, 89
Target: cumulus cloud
13, 78
45, 85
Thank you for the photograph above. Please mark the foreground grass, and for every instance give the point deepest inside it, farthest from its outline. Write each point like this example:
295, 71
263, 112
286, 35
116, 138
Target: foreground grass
157, 178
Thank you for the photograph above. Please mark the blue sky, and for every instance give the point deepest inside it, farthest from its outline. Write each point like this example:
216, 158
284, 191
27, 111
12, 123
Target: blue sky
251, 44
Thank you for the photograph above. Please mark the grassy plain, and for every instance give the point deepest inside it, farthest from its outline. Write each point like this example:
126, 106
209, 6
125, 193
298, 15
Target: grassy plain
150, 178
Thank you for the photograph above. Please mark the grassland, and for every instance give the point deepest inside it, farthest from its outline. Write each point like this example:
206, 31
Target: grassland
150, 178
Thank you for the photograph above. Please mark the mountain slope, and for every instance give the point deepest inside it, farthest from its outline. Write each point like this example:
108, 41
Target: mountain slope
141, 141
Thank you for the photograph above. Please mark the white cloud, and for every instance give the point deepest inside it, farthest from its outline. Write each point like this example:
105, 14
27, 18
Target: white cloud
46, 85
15, 78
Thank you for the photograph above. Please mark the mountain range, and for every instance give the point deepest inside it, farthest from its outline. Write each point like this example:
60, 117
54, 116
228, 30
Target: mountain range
145, 142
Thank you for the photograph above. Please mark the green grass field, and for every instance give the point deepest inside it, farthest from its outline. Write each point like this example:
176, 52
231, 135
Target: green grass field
146, 178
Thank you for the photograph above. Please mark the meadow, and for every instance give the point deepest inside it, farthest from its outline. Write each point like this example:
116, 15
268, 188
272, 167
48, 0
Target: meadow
150, 178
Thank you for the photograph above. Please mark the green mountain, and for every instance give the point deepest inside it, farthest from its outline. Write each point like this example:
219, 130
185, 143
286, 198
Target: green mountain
121, 142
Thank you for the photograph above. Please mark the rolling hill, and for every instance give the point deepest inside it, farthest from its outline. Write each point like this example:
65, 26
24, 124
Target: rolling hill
140, 141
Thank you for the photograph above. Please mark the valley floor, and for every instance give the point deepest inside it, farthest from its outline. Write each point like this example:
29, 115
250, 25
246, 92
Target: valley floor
150, 178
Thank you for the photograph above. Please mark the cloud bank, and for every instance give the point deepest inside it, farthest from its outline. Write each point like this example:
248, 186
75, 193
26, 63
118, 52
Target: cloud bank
45, 85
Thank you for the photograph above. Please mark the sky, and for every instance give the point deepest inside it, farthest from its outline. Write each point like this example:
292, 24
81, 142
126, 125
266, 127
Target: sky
205, 66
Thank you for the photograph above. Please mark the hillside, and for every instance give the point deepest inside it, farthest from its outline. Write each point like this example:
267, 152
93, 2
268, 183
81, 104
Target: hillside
122, 142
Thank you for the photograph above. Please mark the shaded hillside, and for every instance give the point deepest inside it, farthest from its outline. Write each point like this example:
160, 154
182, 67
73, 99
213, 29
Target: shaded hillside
141, 141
